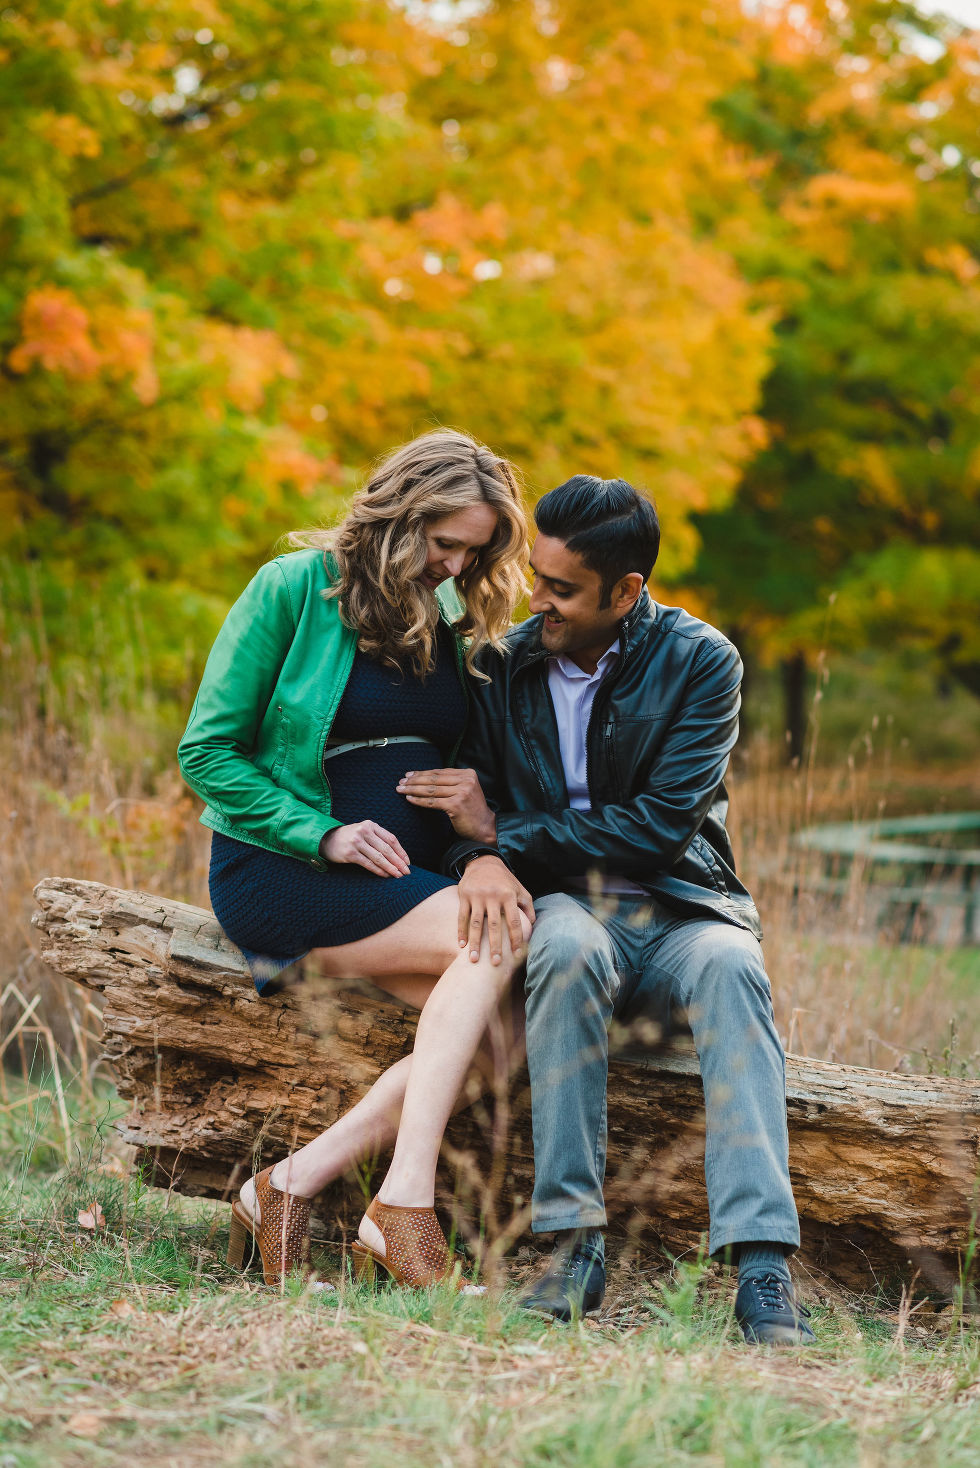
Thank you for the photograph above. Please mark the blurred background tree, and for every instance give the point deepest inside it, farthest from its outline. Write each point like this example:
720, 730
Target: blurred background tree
726, 251
862, 235
157, 173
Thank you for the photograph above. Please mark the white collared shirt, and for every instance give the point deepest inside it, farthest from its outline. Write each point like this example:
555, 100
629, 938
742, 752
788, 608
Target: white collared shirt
573, 694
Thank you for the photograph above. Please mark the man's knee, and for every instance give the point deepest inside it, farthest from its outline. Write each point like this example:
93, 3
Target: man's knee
569, 952
728, 979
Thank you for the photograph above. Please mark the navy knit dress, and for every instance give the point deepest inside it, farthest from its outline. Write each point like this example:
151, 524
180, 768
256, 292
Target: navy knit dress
276, 908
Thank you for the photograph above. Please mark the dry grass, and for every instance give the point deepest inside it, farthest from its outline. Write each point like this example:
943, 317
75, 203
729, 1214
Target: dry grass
842, 990
94, 795
137, 1340
89, 793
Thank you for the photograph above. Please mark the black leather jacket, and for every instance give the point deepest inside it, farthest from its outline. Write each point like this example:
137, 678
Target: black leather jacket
661, 731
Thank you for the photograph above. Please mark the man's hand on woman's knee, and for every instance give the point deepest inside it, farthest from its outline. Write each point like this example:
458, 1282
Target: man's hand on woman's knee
490, 894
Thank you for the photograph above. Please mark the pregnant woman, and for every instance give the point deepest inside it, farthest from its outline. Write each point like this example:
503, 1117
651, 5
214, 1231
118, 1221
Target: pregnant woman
340, 667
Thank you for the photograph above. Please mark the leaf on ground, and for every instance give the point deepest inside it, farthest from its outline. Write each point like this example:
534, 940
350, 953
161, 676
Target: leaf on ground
85, 1424
92, 1218
122, 1308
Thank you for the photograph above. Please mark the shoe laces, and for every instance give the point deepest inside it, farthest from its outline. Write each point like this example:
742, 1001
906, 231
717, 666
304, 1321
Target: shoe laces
565, 1268
770, 1290
570, 1262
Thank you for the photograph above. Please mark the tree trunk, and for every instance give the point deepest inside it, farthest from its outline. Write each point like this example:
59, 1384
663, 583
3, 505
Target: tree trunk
741, 637
884, 1166
793, 671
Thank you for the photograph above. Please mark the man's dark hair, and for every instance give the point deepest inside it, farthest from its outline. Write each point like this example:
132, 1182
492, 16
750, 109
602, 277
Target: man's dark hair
607, 522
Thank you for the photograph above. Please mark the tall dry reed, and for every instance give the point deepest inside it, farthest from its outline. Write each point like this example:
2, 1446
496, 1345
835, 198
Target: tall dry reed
90, 789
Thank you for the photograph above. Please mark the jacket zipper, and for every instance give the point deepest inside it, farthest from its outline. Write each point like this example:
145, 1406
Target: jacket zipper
531, 756
602, 693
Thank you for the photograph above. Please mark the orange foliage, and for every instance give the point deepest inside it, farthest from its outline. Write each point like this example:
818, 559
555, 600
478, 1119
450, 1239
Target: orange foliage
55, 335
284, 460
249, 361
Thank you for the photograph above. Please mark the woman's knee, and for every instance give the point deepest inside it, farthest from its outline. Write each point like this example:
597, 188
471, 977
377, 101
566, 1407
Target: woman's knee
511, 960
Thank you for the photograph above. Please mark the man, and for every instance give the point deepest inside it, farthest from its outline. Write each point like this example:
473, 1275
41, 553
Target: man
598, 751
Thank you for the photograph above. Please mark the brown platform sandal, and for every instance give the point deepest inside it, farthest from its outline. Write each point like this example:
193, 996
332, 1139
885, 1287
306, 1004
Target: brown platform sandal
282, 1235
417, 1254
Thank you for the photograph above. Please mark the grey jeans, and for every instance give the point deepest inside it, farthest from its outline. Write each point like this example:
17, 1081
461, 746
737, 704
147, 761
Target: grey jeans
625, 959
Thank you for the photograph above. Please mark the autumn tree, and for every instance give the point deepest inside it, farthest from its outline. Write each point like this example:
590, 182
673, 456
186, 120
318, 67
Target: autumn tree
589, 319
247, 247
862, 238
158, 162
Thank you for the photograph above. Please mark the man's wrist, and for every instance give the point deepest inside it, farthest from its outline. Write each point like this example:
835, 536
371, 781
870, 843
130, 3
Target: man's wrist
466, 862
459, 857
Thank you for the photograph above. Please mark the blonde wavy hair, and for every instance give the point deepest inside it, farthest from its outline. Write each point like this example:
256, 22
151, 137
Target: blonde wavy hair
380, 549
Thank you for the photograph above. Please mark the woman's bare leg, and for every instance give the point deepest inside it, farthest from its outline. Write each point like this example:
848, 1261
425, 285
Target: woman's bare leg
455, 1018
468, 994
452, 1024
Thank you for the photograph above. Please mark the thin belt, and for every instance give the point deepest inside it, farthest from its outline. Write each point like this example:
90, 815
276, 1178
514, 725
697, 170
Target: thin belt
333, 748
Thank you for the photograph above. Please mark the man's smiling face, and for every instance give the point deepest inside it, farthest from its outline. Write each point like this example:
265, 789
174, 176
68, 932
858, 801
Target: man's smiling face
569, 595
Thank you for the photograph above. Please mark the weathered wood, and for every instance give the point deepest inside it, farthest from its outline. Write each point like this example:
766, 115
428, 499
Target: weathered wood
884, 1166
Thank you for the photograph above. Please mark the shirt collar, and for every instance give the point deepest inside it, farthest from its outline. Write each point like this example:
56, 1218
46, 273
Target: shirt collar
571, 670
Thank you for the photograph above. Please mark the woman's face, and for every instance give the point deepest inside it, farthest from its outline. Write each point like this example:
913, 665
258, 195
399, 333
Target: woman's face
454, 540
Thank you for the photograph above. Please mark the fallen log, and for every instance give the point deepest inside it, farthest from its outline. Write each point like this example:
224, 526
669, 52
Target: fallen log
884, 1166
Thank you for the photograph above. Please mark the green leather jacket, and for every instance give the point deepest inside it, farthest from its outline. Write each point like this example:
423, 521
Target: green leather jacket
253, 746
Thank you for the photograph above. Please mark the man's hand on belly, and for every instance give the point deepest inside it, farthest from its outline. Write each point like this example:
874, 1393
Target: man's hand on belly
458, 793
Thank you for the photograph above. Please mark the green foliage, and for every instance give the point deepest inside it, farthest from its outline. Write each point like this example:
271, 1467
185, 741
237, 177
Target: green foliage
248, 247
156, 170
864, 244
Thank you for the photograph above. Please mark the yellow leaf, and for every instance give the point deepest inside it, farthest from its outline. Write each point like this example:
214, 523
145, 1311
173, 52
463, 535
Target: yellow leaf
68, 135
955, 259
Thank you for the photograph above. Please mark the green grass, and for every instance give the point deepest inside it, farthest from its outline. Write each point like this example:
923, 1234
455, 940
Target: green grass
879, 699
137, 1342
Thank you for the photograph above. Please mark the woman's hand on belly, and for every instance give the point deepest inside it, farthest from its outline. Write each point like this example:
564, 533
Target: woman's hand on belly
366, 844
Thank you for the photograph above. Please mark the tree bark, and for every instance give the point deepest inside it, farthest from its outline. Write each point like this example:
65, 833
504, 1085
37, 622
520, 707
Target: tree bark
884, 1166
793, 673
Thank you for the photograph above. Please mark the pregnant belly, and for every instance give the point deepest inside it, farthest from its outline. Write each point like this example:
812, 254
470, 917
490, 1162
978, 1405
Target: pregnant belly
362, 787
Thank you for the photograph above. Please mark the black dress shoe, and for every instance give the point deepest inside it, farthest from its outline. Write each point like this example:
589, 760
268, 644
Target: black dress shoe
767, 1310
573, 1285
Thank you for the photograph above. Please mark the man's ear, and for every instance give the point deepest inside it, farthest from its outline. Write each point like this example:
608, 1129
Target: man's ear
626, 593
